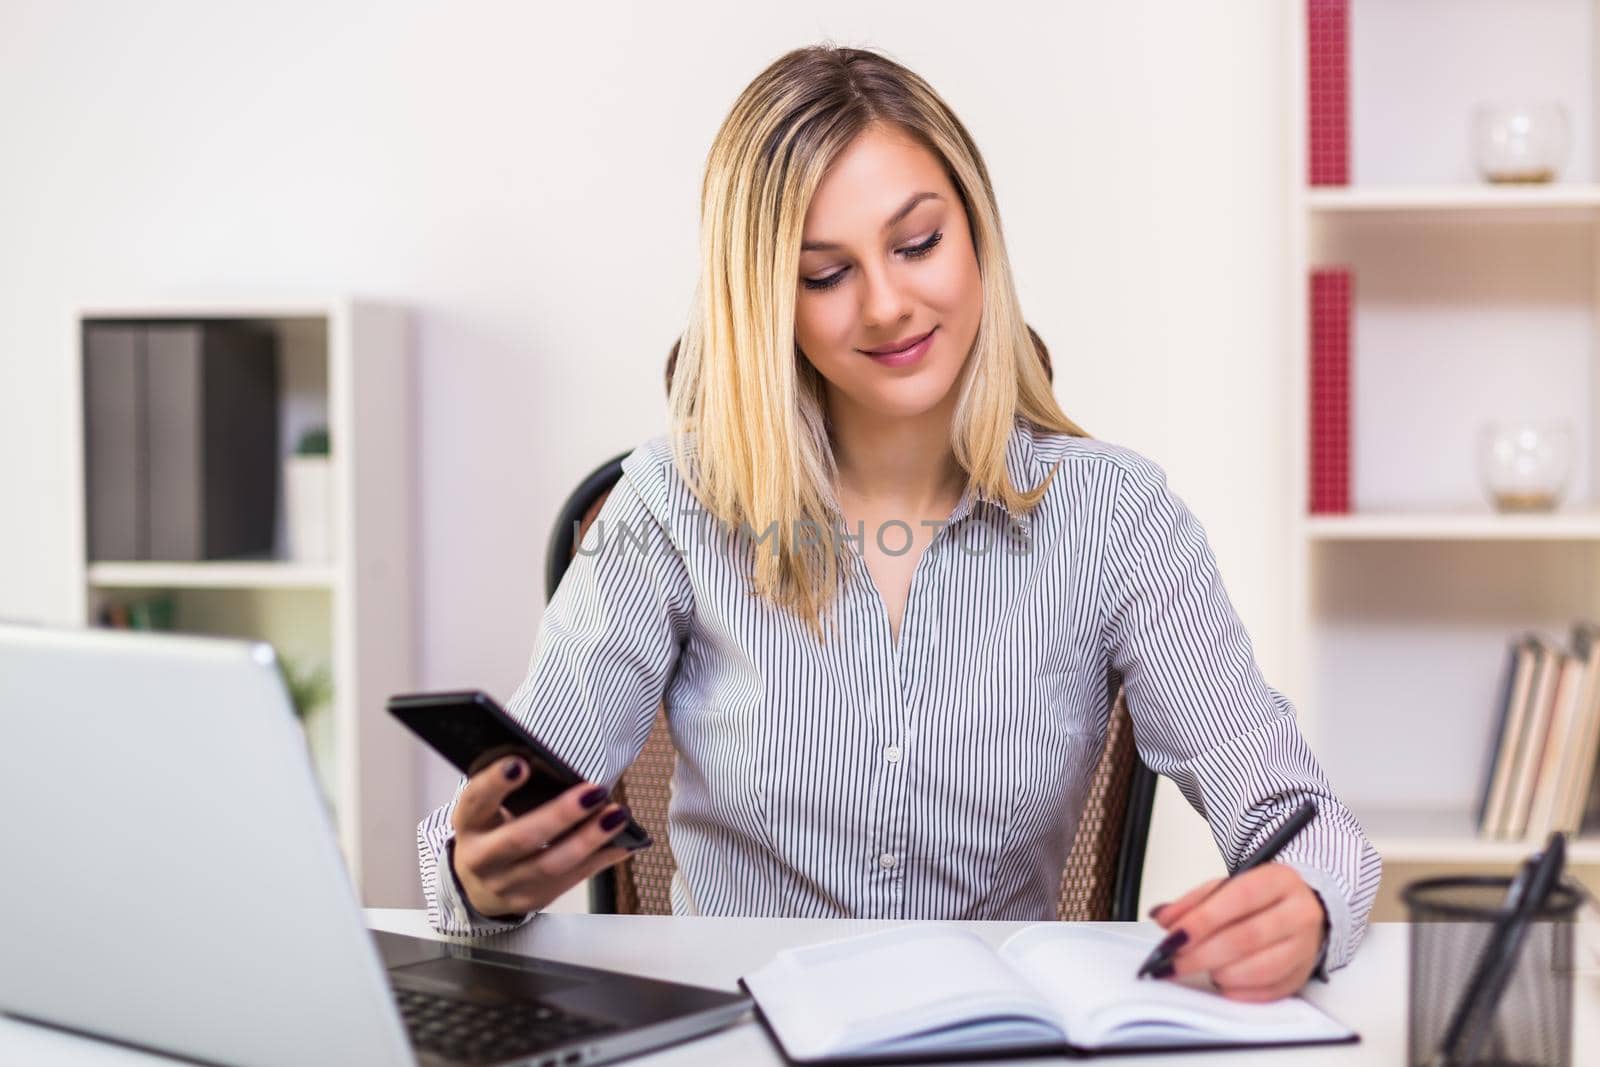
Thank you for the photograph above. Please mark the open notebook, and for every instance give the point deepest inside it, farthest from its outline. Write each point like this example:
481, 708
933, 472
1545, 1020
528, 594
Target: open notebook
934, 991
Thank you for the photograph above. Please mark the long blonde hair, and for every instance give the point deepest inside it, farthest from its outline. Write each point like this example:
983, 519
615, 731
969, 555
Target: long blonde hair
749, 428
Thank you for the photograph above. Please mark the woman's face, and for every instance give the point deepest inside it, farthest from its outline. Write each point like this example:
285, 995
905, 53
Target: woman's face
886, 258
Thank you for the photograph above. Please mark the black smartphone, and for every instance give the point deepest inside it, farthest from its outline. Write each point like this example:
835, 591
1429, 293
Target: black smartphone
470, 730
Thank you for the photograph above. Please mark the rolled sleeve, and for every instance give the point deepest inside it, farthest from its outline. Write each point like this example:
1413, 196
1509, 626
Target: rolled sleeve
1203, 715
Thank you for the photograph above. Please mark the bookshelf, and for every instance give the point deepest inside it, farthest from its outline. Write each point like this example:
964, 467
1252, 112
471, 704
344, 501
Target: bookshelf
1471, 303
342, 363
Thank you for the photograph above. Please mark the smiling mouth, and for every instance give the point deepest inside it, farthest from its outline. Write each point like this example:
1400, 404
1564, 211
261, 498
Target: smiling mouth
914, 342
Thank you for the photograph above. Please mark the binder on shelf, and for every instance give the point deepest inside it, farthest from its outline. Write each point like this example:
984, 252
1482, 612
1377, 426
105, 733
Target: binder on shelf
1328, 92
181, 440
113, 447
213, 437
1329, 401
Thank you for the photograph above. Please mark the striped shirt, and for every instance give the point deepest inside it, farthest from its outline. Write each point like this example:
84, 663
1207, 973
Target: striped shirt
940, 775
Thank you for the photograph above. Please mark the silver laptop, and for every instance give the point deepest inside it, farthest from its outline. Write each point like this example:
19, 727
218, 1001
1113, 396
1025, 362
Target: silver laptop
173, 882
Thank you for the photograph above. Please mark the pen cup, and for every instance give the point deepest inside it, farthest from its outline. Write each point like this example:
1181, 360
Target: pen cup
1452, 920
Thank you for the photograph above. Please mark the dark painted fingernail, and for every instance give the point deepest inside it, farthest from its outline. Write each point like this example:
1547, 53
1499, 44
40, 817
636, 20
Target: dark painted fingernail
1156, 909
513, 770
593, 797
613, 819
1162, 970
1174, 941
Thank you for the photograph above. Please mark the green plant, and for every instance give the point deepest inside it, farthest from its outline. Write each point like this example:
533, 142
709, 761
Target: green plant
310, 684
314, 442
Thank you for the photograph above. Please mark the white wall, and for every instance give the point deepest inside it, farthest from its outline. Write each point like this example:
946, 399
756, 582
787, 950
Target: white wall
526, 176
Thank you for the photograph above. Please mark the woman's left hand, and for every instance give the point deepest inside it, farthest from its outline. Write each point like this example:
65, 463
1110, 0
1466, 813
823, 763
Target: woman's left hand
1259, 935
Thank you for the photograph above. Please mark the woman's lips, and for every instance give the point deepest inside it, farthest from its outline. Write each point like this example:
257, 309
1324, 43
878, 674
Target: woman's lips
905, 356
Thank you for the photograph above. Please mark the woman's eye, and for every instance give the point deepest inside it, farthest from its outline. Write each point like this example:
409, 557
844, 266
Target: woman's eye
914, 252
924, 248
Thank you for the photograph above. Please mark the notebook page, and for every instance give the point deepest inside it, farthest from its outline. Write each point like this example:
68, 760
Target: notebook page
1087, 972
867, 990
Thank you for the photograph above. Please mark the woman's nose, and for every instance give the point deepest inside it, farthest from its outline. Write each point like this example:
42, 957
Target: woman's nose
886, 303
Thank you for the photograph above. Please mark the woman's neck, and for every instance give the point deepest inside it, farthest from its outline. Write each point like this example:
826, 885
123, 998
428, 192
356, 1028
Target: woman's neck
897, 464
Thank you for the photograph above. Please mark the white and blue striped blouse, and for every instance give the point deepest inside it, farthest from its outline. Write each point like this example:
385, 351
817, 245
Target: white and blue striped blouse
940, 776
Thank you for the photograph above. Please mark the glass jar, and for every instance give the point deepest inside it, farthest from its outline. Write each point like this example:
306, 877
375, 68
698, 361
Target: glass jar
1520, 142
1525, 466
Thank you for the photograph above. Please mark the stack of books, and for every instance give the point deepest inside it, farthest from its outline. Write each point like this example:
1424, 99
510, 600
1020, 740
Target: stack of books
1540, 775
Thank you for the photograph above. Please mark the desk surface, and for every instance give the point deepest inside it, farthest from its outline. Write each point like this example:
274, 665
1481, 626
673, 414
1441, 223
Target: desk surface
1369, 994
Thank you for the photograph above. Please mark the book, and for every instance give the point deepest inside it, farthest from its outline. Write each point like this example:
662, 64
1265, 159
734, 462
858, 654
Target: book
1329, 399
928, 991
1549, 763
1327, 92
1530, 663
1530, 745
1513, 675
1586, 747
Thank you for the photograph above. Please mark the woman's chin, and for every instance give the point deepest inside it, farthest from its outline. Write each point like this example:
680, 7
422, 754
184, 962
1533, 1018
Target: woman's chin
902, 400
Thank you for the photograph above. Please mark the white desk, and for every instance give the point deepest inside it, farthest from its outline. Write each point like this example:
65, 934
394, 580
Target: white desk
1369, 995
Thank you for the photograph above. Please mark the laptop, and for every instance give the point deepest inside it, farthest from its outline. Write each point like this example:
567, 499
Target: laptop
173, 882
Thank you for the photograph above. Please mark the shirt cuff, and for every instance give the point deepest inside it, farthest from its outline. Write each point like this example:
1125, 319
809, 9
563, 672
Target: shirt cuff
463, 917
1335, 916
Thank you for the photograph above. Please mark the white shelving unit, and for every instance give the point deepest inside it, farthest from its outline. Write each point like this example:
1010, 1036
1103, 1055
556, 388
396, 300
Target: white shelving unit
1471, 303
1489, 203
344, 363
1459, 526
217, 575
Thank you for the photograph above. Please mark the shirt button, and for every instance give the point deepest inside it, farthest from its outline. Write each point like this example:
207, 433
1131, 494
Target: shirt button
887, 860
892, 753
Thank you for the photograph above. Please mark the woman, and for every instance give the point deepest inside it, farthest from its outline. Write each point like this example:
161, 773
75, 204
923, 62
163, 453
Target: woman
881, 582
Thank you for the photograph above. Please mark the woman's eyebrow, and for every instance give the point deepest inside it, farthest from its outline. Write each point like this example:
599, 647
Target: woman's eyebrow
905, 209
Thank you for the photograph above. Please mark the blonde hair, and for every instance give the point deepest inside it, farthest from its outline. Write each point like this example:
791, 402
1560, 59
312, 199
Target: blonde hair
749, 428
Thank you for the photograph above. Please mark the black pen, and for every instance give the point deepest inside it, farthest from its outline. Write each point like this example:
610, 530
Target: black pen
1269, 848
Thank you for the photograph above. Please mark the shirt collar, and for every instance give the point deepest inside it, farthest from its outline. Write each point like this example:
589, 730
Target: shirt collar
1019, 456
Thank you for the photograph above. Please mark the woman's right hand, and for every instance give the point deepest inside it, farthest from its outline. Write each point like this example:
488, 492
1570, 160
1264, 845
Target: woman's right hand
506, 864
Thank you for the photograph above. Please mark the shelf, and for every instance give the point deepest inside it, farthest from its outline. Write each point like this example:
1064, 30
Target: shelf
1512, 202
1464, 526
222, 574
1444, 837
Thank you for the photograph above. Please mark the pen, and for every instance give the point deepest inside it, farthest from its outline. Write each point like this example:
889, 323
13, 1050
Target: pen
1269, 848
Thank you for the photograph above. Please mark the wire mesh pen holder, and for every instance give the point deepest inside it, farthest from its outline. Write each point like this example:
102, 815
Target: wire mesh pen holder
1452, 921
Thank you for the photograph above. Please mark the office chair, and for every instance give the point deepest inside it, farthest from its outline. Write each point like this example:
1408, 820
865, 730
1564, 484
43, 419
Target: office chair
1104, 867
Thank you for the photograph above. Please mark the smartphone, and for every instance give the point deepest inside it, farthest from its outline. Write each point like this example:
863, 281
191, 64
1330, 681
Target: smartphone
470, 730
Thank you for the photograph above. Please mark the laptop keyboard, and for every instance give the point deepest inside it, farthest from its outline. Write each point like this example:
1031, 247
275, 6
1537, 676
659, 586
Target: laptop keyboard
476, 1032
